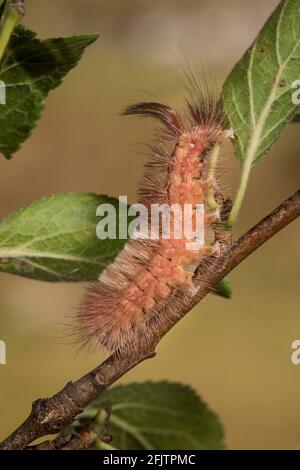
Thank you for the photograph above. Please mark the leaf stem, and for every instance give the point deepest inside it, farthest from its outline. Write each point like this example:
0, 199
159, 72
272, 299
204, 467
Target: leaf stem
249, 159
241, 191
213, 160
13, 12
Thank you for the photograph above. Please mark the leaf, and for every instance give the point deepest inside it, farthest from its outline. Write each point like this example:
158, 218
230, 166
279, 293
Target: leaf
223, 289
151, 415
257, 95
54, 239
30, 69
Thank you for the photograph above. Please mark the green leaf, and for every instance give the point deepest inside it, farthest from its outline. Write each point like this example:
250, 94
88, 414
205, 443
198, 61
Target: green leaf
54, 239
257, 95
30, 69
223, 289
150, 415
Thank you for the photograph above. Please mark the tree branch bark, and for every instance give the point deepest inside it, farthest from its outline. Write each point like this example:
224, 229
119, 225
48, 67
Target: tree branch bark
50, 415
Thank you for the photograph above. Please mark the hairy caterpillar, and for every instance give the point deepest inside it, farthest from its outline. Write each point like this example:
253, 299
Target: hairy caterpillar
117, 310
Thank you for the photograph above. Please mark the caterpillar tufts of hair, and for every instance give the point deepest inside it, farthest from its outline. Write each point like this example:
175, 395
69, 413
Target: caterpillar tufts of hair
118, 309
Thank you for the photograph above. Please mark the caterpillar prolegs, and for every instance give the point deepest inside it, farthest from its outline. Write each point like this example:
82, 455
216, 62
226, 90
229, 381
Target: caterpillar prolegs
117, 310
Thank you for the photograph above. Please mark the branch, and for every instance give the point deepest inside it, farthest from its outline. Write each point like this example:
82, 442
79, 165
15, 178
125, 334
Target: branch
83, 439
50, 415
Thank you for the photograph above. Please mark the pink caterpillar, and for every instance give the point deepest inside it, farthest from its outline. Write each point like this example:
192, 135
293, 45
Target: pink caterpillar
117, 309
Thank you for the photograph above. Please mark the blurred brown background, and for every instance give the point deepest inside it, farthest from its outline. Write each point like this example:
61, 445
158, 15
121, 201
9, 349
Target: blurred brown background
235, 353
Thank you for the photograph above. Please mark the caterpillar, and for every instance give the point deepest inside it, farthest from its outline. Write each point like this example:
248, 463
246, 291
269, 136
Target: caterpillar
116, 311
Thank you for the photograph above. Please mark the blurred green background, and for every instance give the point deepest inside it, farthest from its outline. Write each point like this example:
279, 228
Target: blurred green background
235, 353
